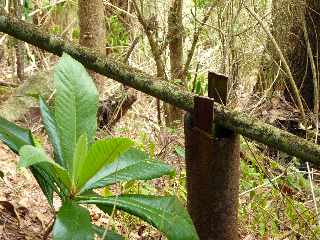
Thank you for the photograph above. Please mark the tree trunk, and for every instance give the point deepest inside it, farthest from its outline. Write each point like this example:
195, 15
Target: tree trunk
93, 35
288, 31
92, 30
175, 35
15, 10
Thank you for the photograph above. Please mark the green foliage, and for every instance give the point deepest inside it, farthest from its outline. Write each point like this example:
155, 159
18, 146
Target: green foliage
81, 164
30, 155
76, 106
199, 85
117, 34
66, 227
14, 136
26, 7
201, 3
271, 204
106, 235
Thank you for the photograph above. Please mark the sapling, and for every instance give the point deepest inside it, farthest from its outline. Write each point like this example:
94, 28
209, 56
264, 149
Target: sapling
80, 164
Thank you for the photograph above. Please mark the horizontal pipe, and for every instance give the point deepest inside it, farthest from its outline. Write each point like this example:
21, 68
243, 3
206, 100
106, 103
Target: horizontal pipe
167, 92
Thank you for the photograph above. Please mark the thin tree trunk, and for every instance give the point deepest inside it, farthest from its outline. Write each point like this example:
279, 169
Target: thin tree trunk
175, 36
92, 30
16, 11
93, 36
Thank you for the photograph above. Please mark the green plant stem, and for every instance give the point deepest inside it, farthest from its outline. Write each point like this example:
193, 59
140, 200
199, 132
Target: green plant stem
235, 121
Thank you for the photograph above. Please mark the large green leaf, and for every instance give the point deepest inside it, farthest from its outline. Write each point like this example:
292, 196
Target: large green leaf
76, 104
14, 136
45, 181
165, 213
100, 154
132, 165
79, 159
72, 223
52, 131
30, 155
108, 235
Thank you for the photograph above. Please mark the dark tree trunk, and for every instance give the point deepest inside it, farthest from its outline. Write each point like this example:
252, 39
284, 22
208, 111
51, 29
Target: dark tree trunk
288, 31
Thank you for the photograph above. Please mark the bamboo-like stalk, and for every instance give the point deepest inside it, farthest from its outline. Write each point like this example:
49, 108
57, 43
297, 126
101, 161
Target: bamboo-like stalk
235, 121
313, 69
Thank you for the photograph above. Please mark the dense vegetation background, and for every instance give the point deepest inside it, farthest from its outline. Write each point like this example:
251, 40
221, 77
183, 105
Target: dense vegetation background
268, 49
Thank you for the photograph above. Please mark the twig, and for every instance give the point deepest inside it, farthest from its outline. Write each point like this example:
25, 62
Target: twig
120, 9
156, 52
133, 45
195, 40
312, 192
261, 186
195, 78
155, 49
45, 7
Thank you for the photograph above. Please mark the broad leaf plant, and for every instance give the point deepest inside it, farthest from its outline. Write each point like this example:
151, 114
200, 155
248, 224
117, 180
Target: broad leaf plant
79, 164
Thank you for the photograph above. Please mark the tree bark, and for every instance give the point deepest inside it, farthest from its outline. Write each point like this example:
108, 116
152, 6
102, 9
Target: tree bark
175, 36
93, 31
15, 9
93, 36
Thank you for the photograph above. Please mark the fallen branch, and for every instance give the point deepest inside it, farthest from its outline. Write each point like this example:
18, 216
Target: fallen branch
6, 84
235, 121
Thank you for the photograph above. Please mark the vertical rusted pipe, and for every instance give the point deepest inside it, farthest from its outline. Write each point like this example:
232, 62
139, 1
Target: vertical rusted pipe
212, 165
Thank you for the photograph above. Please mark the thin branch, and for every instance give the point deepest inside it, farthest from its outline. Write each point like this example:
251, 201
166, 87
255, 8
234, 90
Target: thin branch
154, 45
120, 9
195, 40
313, 194
6, 84
132, 47
313, 68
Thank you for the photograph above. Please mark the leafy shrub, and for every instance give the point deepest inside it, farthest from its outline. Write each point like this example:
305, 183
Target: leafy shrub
81, 164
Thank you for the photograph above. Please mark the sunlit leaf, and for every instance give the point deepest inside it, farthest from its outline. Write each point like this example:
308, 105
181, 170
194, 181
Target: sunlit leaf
14, 136
30, 155
101, 154
132, 165
79, 161
76, 104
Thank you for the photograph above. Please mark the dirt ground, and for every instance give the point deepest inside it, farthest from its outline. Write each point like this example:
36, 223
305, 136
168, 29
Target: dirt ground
24, 212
